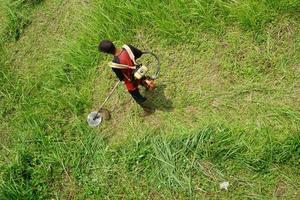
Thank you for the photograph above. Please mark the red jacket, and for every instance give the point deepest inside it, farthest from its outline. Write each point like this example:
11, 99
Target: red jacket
126, 75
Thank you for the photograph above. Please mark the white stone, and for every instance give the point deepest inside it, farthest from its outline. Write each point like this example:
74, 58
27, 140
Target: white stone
224, 185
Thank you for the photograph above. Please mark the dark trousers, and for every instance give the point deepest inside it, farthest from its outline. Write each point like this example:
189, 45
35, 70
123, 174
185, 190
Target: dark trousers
136, 95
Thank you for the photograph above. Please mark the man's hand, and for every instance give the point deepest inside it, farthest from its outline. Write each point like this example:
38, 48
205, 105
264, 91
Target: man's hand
150, 83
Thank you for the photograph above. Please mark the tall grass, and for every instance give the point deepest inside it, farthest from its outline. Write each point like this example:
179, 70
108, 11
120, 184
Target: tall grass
150, 165
18, 17
55, 155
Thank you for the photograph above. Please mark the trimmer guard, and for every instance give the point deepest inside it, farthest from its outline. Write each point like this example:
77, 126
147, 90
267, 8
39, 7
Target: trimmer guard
94, 119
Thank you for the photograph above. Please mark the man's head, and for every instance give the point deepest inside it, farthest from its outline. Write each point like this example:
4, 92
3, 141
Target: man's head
106, 46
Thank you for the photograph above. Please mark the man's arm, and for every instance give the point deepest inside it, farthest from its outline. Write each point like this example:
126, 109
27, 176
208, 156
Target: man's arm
118, 72
136, 52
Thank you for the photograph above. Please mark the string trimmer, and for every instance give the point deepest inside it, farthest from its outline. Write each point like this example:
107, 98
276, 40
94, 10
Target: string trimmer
151, 67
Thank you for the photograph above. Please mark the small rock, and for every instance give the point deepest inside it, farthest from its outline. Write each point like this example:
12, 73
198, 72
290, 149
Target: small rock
224, 185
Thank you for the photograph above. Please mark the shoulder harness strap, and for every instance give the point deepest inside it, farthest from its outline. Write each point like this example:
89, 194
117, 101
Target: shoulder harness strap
131, 55
121, 66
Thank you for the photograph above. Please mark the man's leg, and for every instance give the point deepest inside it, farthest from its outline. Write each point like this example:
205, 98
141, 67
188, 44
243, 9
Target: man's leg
142, 101
136, 95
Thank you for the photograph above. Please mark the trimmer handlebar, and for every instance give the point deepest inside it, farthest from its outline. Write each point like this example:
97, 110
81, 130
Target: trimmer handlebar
155, 76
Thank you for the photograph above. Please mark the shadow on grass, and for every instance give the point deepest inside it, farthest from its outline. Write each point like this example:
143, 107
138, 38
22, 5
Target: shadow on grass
159, 100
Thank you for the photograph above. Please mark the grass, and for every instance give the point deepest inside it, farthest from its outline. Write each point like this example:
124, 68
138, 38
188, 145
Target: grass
17, 16
227, 102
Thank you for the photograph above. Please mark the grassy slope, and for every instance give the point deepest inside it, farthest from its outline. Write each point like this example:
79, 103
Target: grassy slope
232, 109
2, 17
26, 64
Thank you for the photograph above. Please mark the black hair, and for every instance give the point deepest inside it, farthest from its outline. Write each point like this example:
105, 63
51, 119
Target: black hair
107, 46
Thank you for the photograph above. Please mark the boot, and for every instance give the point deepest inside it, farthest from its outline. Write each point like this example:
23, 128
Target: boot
148, 109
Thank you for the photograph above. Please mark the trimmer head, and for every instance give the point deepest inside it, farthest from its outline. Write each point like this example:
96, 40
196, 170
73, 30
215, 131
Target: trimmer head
94, 119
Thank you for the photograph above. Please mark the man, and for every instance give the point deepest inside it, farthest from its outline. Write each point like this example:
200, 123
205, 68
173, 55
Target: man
121, 56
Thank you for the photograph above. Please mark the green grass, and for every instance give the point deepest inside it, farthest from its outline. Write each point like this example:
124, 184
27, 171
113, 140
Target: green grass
227, 101
17, 16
